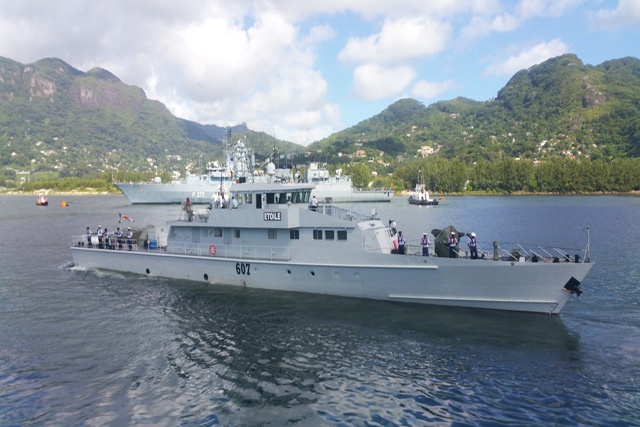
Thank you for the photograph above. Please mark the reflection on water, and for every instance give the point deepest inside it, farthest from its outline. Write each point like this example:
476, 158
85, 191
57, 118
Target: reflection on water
91, 348
269, 356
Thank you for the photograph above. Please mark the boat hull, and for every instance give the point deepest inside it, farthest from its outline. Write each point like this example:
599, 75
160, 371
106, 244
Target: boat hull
148, 193
498, 285
413, 201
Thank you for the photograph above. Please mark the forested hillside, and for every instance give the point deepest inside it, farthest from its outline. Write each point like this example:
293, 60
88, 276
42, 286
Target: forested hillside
558, 109
560, 126
58, 121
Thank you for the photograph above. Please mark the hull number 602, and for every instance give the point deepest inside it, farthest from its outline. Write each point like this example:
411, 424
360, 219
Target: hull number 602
243, 268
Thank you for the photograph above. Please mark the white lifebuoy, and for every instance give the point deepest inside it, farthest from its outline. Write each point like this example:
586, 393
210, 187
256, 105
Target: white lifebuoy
212, 250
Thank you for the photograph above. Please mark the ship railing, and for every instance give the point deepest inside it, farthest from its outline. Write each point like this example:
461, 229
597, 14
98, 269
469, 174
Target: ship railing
342, 213
520, 254
80, 241
251, 252
517, 254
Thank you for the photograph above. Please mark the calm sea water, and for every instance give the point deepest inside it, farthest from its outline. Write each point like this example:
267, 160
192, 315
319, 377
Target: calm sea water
90, 348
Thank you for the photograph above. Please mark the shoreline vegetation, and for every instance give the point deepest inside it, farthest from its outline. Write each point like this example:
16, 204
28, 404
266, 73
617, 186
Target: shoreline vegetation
442, 177
404, 193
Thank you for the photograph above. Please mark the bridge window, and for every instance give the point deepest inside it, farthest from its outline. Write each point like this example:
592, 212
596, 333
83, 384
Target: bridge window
217, 232
342, 234
236, 233
272, 234
294, 234
329, 234
317, 234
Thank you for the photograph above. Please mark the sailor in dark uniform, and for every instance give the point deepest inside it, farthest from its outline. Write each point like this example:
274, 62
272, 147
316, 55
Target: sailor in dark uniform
473, 246
119, 238
401, 243
89, 233
100, 233
130, 238
425, 244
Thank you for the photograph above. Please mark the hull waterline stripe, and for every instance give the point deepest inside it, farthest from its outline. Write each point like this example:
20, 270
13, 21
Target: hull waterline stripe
427, 298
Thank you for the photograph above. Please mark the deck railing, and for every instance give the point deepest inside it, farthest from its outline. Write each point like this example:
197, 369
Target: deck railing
344, 214
251, 252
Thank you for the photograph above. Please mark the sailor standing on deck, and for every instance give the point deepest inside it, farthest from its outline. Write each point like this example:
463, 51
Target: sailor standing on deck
401, 243
100, 233
189, 210
425, 244
453, 242
89, 233
130, 238
313, 204
473, 246
119, 238
106, 238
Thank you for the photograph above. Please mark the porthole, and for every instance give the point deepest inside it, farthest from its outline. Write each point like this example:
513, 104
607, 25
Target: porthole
313, 273
206, 276
148, 271
288, 271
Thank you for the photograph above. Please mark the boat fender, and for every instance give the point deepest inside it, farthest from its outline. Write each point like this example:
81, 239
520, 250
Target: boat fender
212, 250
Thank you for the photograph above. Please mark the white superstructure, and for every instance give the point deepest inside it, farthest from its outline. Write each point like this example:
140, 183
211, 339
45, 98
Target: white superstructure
340, 189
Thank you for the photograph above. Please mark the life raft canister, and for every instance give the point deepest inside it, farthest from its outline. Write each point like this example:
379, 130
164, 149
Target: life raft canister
212, 250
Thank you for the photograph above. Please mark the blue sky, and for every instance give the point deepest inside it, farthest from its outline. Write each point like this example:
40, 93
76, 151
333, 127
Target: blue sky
302, 70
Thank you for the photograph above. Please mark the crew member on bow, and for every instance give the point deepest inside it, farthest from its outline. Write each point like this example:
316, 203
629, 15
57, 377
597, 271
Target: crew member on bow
401, 243
453, 242
425, 244
473, 246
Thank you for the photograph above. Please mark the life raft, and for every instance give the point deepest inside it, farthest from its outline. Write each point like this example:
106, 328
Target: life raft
212, 250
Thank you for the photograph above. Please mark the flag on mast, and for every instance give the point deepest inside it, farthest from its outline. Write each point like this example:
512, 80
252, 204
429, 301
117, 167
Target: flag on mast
122, 217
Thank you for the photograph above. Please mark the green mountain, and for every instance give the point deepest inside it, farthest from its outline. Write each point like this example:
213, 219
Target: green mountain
559, 108
58, 120
55, 118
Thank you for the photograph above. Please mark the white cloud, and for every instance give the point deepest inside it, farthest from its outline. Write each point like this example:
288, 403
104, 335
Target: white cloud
510, 16
626, 15
373, 82
529, 57
429, 90
284, 66
398, 40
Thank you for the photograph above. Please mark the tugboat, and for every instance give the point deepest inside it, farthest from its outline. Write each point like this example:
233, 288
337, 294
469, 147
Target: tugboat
420, 195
